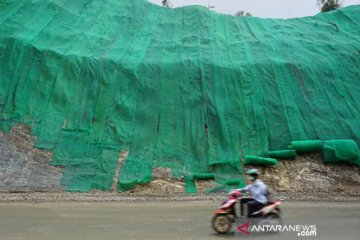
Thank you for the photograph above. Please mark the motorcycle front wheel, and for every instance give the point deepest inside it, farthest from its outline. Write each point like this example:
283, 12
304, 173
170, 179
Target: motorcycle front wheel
221, 223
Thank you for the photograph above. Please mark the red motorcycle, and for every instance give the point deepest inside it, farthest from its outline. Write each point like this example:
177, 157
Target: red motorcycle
226, 215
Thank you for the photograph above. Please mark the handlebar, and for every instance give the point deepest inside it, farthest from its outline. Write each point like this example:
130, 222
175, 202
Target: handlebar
235, 193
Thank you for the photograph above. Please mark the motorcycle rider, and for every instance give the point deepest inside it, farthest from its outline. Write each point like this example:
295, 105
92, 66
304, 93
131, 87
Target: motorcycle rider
257, 189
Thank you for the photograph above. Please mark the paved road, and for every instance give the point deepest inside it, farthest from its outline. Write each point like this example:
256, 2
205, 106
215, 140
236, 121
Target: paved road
161, 220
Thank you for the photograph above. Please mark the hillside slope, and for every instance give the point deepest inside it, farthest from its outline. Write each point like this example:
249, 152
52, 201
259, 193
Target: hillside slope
185, 89
25, 171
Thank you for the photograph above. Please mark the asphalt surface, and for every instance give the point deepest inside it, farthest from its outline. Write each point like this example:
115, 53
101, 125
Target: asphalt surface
163, 220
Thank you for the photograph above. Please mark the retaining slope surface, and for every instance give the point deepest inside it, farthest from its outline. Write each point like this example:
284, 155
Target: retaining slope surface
186, 88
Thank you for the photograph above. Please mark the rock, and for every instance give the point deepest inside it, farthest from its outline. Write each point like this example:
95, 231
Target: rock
24, 168
162, 173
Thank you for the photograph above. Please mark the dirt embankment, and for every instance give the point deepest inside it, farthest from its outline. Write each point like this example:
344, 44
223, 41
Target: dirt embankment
24, 168
307, 177
25, 175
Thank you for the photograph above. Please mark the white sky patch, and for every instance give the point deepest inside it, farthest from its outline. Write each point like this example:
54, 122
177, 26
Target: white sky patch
260, 8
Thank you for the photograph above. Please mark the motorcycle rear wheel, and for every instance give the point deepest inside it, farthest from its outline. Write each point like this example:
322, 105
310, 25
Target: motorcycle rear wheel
221, 223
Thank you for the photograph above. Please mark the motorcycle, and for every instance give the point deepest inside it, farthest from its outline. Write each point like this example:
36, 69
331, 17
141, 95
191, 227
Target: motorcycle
226, 215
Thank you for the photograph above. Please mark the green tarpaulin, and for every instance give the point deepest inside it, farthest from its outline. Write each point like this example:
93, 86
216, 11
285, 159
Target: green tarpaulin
185, 88
341, 151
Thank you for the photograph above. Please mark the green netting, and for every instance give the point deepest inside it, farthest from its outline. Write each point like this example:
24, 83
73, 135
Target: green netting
203, 176
345, 150
134, 171
307, 146
255, 160
287, 154
98, 173
190, 185
7, 121
186, 88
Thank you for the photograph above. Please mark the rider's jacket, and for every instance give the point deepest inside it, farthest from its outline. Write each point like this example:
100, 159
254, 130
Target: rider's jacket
258, 191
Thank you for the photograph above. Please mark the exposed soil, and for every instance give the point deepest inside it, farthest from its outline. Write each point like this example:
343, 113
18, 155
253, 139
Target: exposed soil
24, 168
308, 176
25, 175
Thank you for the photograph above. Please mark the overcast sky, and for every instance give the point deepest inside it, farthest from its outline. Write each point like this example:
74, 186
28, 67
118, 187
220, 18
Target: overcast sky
261, 8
